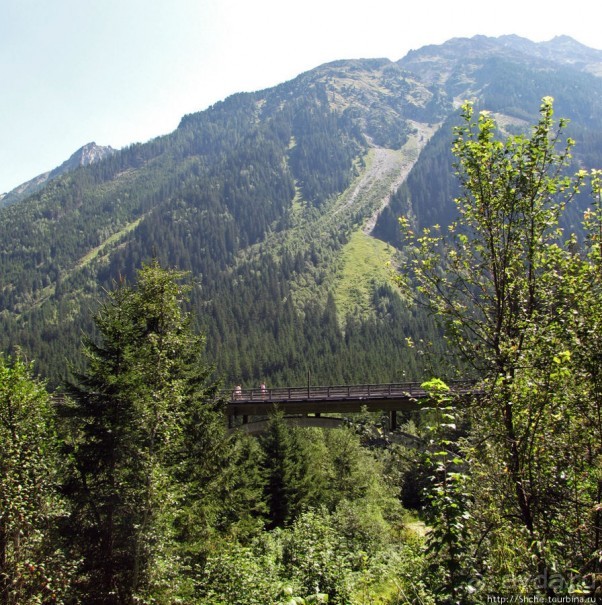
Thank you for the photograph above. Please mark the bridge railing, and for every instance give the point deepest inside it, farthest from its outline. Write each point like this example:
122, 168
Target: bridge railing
337, 392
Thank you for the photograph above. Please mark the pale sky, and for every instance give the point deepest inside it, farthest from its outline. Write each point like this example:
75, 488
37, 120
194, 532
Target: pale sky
123, 71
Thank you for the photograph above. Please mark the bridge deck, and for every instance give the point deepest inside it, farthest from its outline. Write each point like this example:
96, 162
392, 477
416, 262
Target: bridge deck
339, 398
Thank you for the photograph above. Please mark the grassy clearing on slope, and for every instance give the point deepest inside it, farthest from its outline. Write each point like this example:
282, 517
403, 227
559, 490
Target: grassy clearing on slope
48, 291
90, 256
363, 266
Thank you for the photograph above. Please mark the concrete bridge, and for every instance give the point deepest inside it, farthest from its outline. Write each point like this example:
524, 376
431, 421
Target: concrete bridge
392, 398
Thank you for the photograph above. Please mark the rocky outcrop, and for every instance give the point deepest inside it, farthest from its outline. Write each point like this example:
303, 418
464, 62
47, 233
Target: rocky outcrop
84, 156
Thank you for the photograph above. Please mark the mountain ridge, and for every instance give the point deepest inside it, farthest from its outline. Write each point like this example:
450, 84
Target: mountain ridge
268, 199
560, 48
84, 156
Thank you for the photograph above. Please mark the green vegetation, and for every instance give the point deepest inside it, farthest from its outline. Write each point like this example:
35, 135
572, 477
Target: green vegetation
120, 483
140, 410
106, 245
143, 496
33, 566
256, 197
364, 261
516, 477
135, 492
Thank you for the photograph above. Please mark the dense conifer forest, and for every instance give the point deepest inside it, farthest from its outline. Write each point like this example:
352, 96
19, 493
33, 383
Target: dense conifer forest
262, 197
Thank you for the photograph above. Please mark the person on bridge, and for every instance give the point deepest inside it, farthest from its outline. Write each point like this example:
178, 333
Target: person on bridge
264, 390
238, 392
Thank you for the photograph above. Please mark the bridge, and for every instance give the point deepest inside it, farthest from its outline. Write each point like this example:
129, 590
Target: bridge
392, 398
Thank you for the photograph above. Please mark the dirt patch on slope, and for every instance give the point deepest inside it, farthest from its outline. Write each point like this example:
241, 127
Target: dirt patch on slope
395, 165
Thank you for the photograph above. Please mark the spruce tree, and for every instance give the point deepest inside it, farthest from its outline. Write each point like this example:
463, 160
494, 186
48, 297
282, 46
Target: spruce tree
147, 426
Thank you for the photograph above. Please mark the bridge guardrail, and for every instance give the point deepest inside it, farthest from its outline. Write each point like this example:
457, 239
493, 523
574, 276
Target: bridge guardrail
337, 392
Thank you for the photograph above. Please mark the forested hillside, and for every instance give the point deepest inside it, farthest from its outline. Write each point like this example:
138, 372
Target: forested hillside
266, 197
261, 241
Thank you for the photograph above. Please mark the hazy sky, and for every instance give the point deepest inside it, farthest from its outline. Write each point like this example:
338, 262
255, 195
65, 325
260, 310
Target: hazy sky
123, 71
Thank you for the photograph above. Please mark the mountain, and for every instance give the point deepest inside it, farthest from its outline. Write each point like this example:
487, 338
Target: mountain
283, 205
472, 52
84, 156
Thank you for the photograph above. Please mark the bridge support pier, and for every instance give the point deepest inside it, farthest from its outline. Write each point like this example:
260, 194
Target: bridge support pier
393, 420
232, 420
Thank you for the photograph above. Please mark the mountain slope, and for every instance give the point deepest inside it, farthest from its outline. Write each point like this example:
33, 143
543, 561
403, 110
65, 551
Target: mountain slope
266, 199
